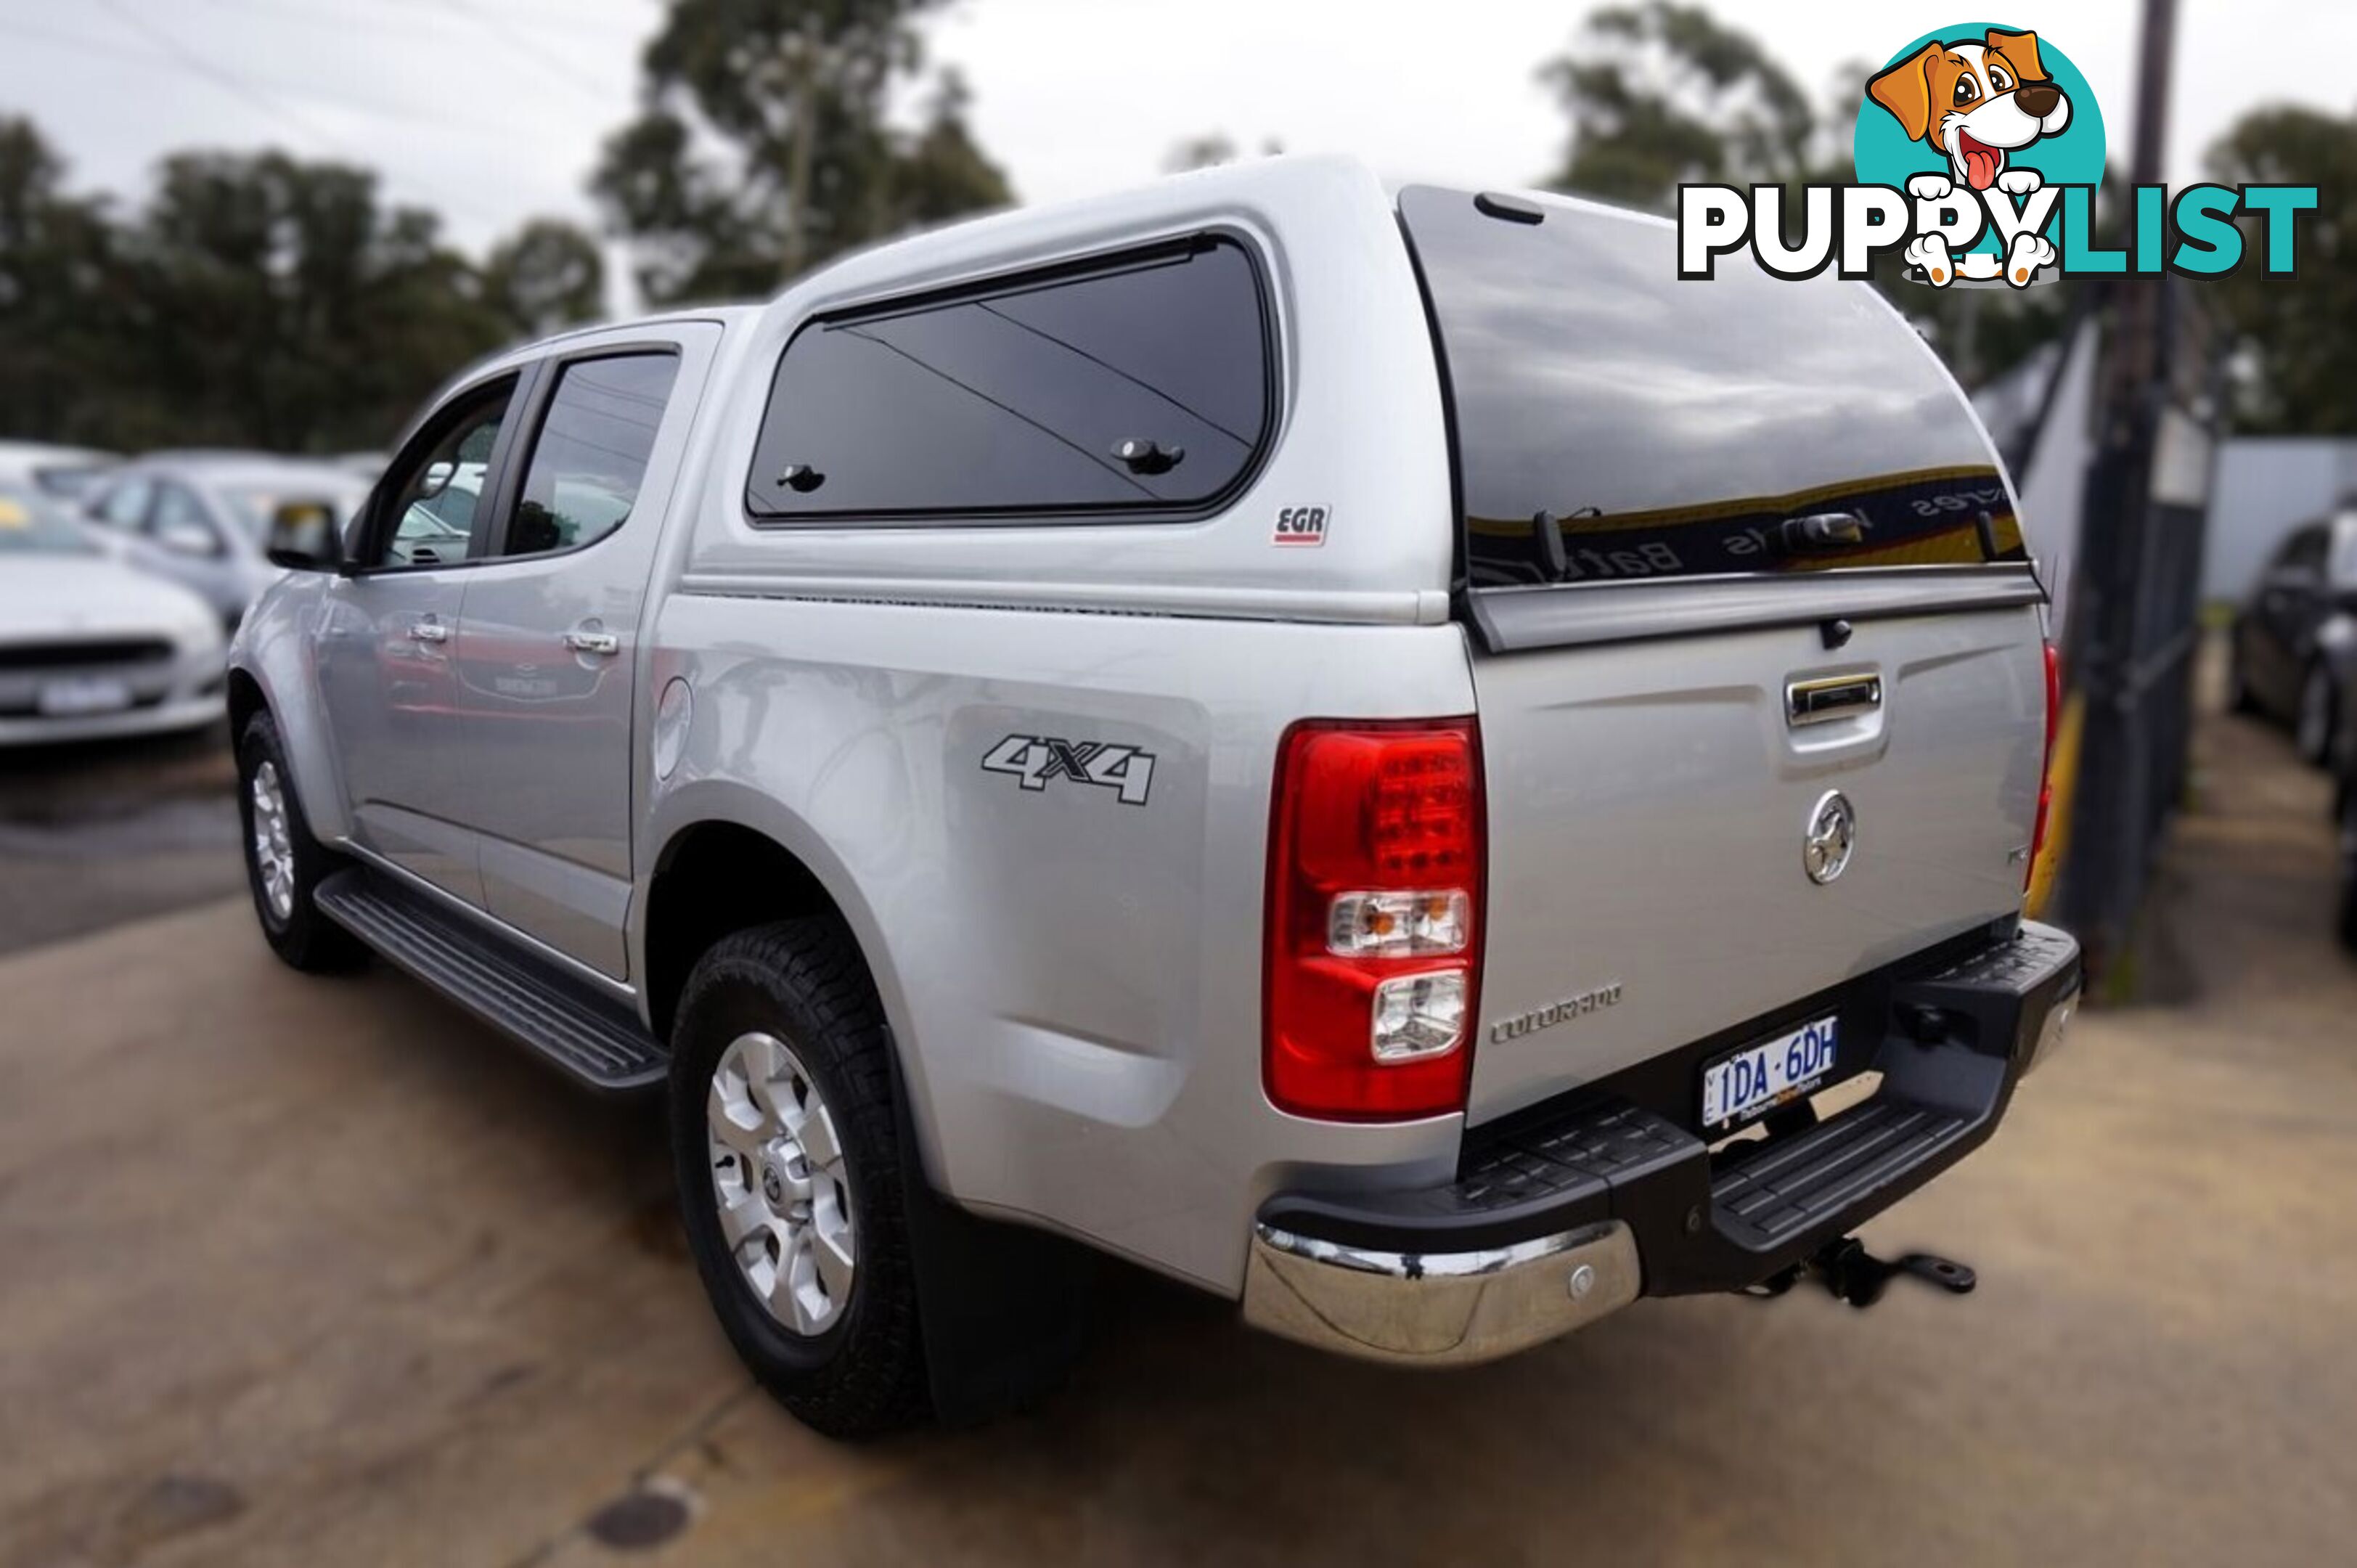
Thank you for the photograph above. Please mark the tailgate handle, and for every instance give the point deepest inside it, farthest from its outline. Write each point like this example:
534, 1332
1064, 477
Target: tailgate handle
1831, 697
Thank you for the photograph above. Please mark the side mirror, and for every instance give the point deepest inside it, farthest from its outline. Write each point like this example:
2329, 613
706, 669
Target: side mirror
438, 479
188, 537
303, 537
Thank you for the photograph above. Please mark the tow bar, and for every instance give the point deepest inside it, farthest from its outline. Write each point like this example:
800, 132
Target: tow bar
1848, 1271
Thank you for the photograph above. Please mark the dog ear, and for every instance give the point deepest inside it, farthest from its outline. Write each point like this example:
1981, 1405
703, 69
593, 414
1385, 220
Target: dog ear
1906, 91
2020, 51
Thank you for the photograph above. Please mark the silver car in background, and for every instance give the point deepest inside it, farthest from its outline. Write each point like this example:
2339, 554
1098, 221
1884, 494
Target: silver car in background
66, 471
199, 518
89, 646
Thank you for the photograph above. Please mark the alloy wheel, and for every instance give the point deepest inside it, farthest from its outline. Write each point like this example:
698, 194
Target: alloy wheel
781, 1185
273, 846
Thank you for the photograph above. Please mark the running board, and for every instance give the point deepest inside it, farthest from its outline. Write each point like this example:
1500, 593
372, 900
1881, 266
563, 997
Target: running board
583, 1033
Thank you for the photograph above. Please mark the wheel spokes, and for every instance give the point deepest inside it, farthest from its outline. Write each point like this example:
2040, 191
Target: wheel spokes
780, 1184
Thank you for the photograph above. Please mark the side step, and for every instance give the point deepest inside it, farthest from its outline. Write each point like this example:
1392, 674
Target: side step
587, 1034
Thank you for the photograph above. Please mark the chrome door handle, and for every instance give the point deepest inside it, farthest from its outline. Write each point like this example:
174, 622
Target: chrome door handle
598, 642
1834, 697
429, 631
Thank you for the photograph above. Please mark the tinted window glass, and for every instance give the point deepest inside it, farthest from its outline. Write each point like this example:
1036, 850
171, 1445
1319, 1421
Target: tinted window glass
2304, 551
592, 452
30, 525
1670, 427
434, 487
178, 513
1025, 399
125, 506
2343, 567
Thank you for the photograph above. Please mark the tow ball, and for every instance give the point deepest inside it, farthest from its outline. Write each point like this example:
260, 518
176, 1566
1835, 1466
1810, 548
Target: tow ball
1848, 1271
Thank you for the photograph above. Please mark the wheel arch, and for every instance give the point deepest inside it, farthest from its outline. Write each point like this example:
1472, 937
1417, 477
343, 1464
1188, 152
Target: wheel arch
251, 689
730, 859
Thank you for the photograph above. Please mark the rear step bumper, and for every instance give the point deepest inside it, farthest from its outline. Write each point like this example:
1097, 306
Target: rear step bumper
1574, 1216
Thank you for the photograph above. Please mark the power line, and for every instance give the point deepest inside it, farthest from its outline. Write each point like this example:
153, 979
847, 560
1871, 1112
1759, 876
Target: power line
537, 55
250, 94
372, 107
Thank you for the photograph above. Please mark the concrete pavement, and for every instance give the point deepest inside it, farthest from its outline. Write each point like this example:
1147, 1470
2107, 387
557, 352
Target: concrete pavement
304, 1272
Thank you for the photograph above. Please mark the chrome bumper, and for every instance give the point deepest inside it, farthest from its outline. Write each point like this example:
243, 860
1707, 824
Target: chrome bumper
1437, 1309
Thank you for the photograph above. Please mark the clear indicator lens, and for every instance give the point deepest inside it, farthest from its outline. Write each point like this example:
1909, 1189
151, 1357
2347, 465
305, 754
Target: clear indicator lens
1419, 1016
1397, 925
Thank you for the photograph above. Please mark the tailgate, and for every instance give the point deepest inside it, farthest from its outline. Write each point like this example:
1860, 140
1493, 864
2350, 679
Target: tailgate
1650, 804
1731, 549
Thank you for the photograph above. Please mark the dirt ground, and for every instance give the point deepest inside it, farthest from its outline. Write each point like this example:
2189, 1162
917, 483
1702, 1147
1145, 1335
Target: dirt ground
303, 1272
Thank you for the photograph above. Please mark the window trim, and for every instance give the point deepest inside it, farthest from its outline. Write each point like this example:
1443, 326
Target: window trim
1127, 257
437, 423
535, 403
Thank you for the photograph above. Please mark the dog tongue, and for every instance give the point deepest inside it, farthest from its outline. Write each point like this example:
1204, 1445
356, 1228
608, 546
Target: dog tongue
1980, 167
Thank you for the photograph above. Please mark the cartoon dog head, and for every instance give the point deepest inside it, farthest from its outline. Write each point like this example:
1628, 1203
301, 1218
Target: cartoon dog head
1975, 101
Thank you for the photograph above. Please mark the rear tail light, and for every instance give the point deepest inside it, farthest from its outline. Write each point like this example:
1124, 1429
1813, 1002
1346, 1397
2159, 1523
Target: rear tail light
2046, 765
1373, 932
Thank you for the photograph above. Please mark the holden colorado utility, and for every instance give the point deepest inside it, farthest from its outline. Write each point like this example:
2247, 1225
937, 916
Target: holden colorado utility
1374, 752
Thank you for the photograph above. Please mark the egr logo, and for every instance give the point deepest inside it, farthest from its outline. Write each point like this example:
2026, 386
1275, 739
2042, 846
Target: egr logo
1301, 525
1979, 148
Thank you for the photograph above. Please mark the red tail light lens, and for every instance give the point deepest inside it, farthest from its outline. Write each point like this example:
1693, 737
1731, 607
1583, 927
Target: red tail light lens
2046, 767
1374, 909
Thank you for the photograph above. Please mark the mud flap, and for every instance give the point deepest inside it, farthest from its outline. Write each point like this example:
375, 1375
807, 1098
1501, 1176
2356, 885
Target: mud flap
1003, 1307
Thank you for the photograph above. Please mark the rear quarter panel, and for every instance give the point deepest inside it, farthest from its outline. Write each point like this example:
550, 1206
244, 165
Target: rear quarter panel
1074, 979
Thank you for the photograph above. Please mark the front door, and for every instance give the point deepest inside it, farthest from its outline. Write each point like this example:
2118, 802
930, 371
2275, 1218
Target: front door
388, 640
548, 657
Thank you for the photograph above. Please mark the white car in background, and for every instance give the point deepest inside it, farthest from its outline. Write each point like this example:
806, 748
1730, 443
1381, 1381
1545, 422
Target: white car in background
90, 645
70, 472
200, 518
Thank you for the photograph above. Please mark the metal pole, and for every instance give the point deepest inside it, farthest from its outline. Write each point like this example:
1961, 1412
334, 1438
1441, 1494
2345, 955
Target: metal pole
2116, 816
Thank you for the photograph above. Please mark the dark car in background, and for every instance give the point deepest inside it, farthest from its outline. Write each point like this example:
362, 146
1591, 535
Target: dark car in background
2344, 796
2294, 639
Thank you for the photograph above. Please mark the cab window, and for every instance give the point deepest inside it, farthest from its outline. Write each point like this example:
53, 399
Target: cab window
432, 489
591, 453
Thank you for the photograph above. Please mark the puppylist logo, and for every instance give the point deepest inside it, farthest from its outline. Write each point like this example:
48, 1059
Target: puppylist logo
1979, 148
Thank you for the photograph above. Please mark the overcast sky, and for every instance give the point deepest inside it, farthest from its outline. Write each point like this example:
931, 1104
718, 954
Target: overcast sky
491, 110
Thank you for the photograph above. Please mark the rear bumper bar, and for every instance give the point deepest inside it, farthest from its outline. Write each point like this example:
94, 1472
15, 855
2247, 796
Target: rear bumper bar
1572, 1214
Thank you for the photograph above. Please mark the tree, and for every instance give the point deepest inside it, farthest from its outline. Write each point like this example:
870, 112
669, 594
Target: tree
59, 280
282, 306
548, 276
1660, 95
762, 147
254, 300
2297, 358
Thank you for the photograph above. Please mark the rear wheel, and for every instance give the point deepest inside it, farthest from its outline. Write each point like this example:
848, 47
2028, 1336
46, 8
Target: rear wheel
789, 1175
283, 863
2312, 732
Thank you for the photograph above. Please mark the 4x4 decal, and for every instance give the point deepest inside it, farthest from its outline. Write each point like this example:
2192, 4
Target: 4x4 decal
1034, 759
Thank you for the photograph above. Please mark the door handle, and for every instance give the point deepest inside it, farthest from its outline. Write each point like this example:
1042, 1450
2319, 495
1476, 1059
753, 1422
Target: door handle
429, 631
602, 643
1833, 697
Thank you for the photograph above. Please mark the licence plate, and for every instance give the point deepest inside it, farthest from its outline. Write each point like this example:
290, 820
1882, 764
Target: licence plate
1746, 1084
77, 699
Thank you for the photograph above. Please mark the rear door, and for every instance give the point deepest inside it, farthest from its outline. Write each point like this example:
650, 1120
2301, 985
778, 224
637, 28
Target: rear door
548, 658
1731, 549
